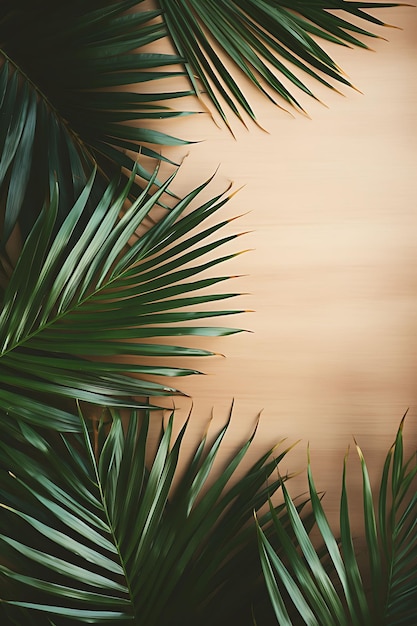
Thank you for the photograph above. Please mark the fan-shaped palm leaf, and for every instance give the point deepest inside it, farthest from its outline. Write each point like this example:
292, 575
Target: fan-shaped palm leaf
263, 39
93, 535
63, 102
391, 535
69, 301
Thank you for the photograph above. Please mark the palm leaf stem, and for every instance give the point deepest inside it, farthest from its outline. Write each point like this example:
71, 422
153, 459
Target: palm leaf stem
109, 519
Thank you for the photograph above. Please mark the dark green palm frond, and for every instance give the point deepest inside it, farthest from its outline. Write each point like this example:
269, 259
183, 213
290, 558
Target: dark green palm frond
263, 39
67, 100
92, 533
342, 597
99, 298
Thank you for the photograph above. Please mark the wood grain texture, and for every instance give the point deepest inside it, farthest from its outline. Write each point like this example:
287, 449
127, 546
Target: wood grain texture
330, 203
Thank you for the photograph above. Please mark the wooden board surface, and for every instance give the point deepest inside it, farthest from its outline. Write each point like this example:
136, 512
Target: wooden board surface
330, 203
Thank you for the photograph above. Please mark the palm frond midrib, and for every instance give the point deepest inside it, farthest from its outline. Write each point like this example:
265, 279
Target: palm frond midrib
112, 282
41, 94
109, 520
55, 319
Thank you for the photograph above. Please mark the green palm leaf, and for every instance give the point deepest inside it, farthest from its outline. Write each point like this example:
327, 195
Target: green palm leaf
71, 300
301, 581
263, 39
66, 101
91, 533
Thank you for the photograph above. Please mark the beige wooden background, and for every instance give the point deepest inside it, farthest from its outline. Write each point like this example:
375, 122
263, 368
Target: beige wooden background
331, 276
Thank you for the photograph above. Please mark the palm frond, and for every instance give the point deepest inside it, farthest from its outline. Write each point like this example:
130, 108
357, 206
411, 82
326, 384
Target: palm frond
91, 533
302, 582
263, 39
66, 104
75, 310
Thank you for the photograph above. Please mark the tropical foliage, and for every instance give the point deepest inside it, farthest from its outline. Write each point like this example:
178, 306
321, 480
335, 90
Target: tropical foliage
263, 40
326, 587
72, 80
72, 97
94, 528
70, 301
92, 533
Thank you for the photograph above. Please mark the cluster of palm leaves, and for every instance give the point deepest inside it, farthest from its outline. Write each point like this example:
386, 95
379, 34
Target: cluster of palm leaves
71, 77
325, 586
70, 300
93, 534
92, 530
